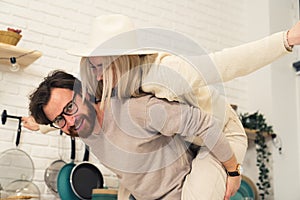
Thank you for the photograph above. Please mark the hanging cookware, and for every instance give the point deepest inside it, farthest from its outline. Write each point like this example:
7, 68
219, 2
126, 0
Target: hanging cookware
15, 164
21, 189
63, 180
51, 173
85, 177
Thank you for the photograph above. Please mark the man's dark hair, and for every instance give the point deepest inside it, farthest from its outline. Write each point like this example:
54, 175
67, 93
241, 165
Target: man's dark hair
41, 96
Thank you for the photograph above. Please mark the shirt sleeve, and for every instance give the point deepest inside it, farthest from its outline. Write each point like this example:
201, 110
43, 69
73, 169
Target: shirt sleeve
245, 59
46, 128
170, 118
171, 76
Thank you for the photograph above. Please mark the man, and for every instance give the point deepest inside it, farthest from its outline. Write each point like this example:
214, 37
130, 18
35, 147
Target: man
139, 139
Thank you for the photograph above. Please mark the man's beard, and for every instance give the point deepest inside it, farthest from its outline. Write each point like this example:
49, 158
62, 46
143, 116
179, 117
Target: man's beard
90, 121
73, 132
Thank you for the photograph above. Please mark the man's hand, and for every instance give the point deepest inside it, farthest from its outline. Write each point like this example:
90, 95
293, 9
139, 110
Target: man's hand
232, 186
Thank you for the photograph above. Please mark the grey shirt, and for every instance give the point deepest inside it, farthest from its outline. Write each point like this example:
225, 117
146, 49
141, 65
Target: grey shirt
141, 142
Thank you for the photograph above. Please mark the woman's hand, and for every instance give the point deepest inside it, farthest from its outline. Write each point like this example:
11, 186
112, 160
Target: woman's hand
293, 35
30, 123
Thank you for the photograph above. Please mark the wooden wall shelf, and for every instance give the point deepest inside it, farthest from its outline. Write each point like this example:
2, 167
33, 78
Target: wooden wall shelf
251, 134
24, 57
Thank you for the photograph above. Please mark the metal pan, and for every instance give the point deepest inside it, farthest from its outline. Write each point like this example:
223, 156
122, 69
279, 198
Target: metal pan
15, 164
85, 177
51, 173
63, 180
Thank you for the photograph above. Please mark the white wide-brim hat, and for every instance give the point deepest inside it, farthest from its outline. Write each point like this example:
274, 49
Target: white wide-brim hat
111, 35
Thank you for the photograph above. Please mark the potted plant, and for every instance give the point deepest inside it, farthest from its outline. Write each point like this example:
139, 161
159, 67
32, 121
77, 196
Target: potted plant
257, 122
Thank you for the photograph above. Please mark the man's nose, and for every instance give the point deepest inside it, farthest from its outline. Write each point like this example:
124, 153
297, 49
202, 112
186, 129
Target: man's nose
70, 120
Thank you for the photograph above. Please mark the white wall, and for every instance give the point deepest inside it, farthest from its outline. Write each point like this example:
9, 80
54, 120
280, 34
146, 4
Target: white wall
284, 110
56, 25
259, 82
273, 92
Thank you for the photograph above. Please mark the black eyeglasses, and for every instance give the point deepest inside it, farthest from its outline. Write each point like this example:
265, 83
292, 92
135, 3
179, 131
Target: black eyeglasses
70, 109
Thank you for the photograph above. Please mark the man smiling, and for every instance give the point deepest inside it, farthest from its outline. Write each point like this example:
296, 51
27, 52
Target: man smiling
139, 139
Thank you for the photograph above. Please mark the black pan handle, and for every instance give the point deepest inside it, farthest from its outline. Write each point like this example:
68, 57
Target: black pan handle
73, 148
86, 153
19, 133
4, 116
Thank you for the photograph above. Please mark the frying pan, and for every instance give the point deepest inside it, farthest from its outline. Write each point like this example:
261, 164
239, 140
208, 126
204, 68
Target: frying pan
85, 177
63, 180
51, 173
15, 164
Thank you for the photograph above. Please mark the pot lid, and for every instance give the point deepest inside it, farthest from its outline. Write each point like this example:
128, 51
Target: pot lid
21, 189
15, 164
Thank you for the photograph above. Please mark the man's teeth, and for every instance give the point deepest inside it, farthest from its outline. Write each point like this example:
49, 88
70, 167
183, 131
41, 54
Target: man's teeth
79, 124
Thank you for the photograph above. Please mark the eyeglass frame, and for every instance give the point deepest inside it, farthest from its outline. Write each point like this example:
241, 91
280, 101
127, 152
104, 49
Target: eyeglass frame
52, 124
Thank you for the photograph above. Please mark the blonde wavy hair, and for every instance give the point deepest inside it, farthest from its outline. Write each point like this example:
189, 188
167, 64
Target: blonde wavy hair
121, 74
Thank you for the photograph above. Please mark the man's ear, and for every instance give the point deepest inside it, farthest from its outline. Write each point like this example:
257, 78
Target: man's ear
93, 99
